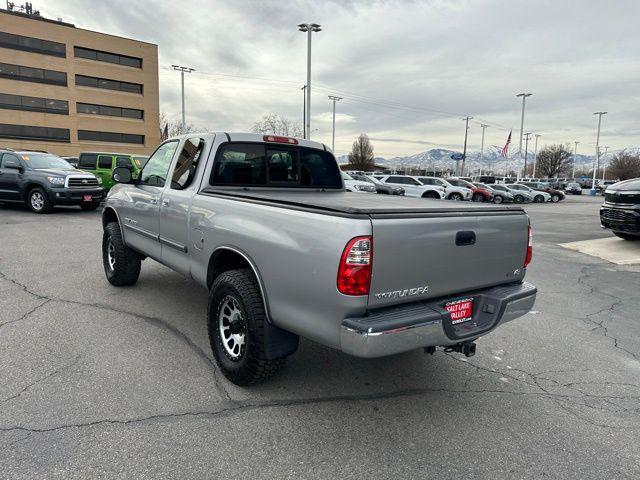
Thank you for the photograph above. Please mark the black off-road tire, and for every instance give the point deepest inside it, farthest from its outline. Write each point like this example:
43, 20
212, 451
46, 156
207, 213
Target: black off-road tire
125, 269
42, 205
252, 364
626, 236
89, 206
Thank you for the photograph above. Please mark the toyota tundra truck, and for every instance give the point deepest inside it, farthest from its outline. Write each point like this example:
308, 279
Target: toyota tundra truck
264, 223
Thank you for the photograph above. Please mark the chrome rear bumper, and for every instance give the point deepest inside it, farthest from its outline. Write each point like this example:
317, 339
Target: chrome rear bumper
408, 327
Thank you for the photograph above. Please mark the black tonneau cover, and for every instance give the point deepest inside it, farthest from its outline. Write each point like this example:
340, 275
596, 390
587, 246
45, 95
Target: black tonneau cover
357, 203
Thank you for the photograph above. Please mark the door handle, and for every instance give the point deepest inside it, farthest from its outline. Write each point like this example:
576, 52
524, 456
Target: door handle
153, 201
165, 203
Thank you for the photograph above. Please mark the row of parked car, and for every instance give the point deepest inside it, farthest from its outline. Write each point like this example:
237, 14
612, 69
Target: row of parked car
459, 189
42, 180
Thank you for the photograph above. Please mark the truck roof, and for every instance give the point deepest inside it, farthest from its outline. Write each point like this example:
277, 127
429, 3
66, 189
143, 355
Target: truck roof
252, 137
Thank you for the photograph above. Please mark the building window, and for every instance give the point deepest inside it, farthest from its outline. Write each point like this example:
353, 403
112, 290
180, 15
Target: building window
106, 110
108, 57
28, 132
108, 84
33, 104
30, 74
111, 137
35, 45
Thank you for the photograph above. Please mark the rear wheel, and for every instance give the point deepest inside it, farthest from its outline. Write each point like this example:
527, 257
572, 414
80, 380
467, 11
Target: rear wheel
626, 236
518, 199
498, 199
121, 264
456, 196
555, 198
38, 202
538, 199
237, 323
477, 197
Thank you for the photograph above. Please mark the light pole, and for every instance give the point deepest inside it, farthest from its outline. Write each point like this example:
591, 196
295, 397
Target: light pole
183, 70
604, 167
597, 159
304, 111
524, 96
484, 127
309, 28
334, 99
575, 151
535, 155
464, 150
526, 151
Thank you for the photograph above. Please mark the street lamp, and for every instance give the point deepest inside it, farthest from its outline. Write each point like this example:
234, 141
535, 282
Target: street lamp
182, 71
535, 155
575, 152
334, 99
597, 159
524, 96
309, 28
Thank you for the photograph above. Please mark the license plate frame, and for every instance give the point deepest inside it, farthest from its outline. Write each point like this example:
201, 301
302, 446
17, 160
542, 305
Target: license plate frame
460, 310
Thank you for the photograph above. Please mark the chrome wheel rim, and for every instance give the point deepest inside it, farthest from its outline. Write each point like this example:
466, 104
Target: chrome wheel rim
232, 328
37, 201
111, 255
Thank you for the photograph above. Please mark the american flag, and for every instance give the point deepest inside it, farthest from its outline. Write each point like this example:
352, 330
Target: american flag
505, 149
165, 133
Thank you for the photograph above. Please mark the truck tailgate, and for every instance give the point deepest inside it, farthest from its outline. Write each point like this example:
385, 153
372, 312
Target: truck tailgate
448, 253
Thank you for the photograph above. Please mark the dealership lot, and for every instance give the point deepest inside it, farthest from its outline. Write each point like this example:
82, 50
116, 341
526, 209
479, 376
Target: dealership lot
121, 382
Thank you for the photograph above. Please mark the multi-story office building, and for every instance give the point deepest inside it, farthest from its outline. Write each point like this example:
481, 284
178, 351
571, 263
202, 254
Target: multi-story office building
67, 90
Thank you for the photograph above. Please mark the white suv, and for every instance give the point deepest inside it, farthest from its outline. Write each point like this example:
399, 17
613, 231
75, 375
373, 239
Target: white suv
451, 191
412, 187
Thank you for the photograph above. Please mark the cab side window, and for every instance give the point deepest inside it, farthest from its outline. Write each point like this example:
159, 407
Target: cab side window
87, 161
155, 170
105, 162
187, 162
7, 157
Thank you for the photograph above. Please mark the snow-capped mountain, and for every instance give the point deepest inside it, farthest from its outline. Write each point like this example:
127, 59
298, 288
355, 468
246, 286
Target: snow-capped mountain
440, 158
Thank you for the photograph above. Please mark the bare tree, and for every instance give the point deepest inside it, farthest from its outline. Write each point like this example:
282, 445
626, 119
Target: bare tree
553, 160
361, 155
176, 128
624, 165
277, 125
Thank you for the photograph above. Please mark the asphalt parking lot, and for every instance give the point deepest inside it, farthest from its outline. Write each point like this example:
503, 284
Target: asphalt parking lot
104, 382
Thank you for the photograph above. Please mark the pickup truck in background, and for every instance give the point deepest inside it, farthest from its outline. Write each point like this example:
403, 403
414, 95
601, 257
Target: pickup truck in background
264, 223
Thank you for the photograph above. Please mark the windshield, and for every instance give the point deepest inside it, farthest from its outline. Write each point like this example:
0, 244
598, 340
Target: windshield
574, 185
460, 183
374, 180
39, 161
363, 178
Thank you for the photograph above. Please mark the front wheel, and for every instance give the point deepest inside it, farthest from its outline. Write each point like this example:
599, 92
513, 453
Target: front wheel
237, 324
433, 195
121, 264
38, 202
518, 199
456, 196
498, 199
626, 236
477, 197
555, 198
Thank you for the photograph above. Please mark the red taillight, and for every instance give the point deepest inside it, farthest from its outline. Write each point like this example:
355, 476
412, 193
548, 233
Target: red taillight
354, 273
279, 139
529, 255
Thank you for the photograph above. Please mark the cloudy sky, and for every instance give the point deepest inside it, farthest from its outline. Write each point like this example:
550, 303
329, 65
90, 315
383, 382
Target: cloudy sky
408, 71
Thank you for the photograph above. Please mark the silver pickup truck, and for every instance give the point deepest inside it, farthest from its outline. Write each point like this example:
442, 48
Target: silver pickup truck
265, 224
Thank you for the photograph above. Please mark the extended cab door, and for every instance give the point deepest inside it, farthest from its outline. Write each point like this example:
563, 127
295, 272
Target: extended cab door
175, 205
140, 211
9, 178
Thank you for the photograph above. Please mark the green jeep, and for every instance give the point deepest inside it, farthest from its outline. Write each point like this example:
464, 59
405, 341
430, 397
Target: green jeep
102, 164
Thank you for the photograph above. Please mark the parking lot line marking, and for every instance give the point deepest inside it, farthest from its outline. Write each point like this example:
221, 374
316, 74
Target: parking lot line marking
614, 250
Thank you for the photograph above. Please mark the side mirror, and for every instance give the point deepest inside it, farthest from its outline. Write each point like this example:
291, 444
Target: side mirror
13, 164
121, 175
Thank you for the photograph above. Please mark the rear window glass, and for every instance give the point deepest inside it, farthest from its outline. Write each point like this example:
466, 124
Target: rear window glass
257, 164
